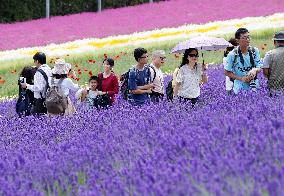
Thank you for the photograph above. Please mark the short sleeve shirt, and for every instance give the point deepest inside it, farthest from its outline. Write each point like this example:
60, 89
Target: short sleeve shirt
157, 80
267, 60
138, 78
242, 69
190, 81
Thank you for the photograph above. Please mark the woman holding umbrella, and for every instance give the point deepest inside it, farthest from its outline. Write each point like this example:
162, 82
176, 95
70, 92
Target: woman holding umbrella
190, 76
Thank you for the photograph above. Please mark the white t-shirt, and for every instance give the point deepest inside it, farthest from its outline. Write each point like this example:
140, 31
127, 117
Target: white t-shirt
159, 79
39, 87
190, 81
229, 83
66, 85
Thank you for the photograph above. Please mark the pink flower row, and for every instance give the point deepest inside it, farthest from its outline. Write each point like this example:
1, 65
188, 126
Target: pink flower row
130, 19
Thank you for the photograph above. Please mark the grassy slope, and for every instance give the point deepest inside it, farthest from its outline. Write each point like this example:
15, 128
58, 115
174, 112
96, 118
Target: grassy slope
9, 88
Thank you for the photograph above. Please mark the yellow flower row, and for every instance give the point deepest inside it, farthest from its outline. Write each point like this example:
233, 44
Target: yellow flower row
85, 45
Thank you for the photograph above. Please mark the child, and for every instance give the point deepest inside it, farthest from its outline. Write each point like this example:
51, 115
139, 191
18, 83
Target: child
89, 95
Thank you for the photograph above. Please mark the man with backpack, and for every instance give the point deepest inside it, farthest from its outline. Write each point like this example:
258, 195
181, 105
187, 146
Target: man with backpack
139, 80
243, 63
159, 57
273, 65
40, 83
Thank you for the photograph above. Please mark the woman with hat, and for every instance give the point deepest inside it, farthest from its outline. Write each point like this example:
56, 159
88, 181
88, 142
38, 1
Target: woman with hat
60, 73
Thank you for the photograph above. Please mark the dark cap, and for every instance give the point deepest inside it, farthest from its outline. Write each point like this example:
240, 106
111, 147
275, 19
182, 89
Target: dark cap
279, 36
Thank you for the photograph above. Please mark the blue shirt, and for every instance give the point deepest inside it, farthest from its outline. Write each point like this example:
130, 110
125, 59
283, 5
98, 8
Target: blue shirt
242, 70
138, 78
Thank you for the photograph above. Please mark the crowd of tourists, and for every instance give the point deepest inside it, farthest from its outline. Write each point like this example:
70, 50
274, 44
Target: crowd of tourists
43, 90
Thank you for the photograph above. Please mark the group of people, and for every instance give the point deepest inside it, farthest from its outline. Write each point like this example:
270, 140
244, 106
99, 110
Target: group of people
144, 82
242, 64
43, 85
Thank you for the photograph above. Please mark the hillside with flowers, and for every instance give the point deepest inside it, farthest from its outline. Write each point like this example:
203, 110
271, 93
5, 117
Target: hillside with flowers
225, 145
145, 17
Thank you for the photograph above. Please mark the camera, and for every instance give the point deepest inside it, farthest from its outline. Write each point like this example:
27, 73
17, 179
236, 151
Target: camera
253, 85
22, 80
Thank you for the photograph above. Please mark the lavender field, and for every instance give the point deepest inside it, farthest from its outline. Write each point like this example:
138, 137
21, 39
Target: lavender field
116, 21
226, 145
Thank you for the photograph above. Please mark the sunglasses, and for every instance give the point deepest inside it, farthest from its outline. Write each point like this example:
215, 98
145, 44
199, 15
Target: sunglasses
163, 58
193, 55
142, 57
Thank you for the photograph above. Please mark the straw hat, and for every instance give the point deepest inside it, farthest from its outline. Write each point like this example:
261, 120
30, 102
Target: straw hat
61, 67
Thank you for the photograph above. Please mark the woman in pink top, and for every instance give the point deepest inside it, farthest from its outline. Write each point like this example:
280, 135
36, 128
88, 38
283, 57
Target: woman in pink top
108, 81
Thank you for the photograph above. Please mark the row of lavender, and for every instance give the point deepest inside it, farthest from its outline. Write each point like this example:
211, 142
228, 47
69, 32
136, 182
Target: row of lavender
129, 20
226, 145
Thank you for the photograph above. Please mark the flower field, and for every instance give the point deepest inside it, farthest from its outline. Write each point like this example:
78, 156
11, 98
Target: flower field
219, 28
227, 145
166, 14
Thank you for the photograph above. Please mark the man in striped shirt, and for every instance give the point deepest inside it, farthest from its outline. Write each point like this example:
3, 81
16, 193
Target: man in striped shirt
273, 64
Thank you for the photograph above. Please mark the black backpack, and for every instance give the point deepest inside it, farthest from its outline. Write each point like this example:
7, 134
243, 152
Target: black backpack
170, 90
102, 101
124, 85
23, 105
124, 80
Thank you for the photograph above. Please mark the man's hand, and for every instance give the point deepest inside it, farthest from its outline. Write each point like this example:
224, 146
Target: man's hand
149, 91
204, 67
253, 72
149, 86
247, 79
23, 85
101, 92
85, 92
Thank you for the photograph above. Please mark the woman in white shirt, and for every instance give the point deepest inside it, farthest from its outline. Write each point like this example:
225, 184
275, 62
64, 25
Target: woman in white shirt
60, 72
190, 76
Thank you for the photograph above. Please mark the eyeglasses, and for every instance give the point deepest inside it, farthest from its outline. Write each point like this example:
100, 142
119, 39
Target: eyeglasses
163, 58
193, 55
142, 57
245, 37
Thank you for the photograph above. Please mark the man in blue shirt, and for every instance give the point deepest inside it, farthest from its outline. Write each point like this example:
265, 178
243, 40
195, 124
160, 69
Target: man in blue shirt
243, 63
139, 81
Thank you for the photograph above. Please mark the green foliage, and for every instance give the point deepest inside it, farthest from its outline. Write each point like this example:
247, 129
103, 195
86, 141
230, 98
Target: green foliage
82, 178
18, 10
57, 189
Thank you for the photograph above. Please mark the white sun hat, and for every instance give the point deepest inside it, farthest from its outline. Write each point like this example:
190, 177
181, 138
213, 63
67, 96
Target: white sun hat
61, 67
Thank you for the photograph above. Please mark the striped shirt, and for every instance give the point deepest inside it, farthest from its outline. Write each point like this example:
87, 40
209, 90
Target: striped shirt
274, 60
